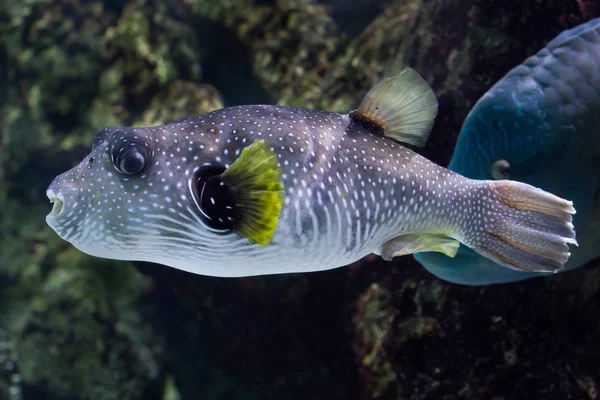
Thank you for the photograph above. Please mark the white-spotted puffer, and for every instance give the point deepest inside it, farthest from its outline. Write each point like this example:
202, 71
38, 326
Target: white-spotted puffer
263, 189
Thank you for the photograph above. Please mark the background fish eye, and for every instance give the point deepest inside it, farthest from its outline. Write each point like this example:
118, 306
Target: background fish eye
500, 169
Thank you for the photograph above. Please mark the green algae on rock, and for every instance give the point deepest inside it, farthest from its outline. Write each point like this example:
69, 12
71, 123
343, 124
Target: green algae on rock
447, 340
73, 323
11, 381
180, 100
374, 322
101, 346
297, 50
53, 47
148, 48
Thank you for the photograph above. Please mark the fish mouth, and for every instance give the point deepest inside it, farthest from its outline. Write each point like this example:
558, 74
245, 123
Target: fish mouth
57, 201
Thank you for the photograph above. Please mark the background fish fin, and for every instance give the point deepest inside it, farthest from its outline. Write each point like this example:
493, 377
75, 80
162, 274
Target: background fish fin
256, 177
414, 243
403, 108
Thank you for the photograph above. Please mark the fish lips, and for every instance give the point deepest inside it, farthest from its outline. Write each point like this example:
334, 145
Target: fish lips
62, 201
57, 200
53, 219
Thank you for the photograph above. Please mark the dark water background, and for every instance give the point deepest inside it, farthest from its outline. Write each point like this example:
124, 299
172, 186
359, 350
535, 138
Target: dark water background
74, 327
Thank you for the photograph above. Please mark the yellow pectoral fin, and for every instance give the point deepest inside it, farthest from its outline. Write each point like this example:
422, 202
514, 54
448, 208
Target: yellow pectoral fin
256, 178
417, 243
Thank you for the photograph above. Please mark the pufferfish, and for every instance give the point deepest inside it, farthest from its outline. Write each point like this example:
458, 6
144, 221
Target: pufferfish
539, 124
265, 189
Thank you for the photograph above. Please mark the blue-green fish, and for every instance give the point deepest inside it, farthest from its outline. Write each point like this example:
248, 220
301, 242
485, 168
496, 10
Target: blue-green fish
539, 125
263, 189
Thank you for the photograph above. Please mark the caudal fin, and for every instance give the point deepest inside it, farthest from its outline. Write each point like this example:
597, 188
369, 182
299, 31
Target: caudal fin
528, 230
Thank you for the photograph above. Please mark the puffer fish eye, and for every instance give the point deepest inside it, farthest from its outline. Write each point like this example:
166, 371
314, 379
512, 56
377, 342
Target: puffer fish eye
130, 156
500, 169
131, 161
215, 198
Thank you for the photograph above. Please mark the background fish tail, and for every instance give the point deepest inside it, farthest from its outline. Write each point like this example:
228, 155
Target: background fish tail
527, 229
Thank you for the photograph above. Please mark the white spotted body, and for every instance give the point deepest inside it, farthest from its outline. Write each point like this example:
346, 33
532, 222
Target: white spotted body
348, 190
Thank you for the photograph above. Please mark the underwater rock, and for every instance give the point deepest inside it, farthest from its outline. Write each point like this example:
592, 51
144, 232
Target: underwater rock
73, 323
50, 64
52, 49
180, 100
298, 52
421, 338
379, 49
373, 320
230, 13
81, 336
11, 381
299, 55
303, 58
145, 50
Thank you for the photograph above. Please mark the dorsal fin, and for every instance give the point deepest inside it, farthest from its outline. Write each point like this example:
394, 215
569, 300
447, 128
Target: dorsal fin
402, 107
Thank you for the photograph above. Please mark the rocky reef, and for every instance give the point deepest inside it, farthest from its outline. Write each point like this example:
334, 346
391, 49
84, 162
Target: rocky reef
420, 338
74, 327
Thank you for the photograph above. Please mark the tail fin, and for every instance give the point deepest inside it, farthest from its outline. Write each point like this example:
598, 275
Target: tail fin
530, 229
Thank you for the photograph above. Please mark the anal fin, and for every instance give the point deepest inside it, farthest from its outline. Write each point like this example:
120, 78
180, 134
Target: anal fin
417, 243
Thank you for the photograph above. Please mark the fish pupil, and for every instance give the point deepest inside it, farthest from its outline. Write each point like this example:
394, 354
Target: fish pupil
216, 199
132, 163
